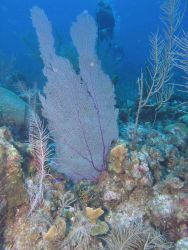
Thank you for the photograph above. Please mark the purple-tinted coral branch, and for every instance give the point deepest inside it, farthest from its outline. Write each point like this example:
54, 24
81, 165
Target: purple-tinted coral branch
81, 116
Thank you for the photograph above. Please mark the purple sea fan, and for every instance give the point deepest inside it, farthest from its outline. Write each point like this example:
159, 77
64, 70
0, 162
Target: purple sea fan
80, 108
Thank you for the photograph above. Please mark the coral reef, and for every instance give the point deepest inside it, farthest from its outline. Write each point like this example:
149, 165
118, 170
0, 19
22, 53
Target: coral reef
128, 192
143, 189
13, 193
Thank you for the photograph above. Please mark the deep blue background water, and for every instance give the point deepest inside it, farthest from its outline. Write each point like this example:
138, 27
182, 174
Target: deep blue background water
137, 20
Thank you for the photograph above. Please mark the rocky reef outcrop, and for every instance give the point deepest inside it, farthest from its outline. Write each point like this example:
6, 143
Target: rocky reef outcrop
145, 187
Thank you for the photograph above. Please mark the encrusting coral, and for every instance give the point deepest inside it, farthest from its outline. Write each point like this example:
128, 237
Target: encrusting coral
56, 231
93, 214
117, 157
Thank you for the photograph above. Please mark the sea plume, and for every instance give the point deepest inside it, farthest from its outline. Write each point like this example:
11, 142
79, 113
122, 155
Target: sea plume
42, 152
137, 236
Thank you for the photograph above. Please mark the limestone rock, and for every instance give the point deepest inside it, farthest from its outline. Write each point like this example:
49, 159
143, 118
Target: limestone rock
182, 244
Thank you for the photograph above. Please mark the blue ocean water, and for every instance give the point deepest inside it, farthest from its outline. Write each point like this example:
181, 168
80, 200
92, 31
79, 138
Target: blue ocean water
135, 21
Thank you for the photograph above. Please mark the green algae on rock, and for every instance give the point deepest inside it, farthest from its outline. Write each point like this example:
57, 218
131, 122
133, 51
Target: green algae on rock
13, 110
